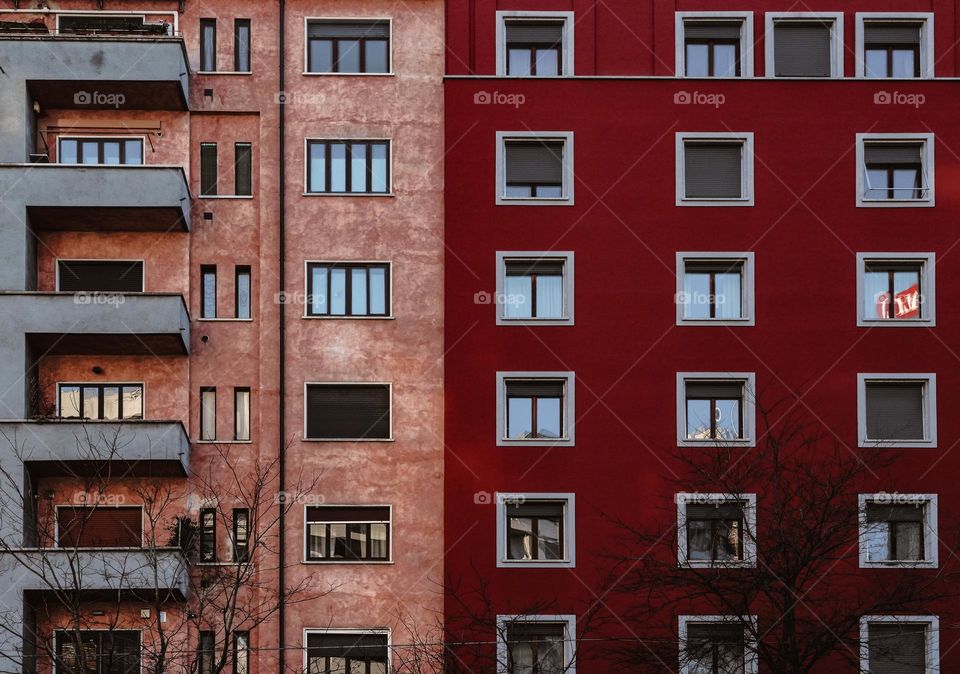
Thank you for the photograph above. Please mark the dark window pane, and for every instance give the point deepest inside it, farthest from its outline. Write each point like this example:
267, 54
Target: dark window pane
243, 168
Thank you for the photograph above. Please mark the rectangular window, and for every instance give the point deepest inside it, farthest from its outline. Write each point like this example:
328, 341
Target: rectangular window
715, 289
536, 645
715, 408
715, 647
348, 167
348, 47
714, 169
900, 644
535, 408
893, 171
348, 289
534, 289
534, 47
206, 652
241, 653
898, 530
208, 291
107, 402
208, 535
712, 48
348, 533
534, 169
208, 169
535, 530
241, 407
208, 45
99, 527
803, 44
241, 535
896, 289
100, 151
208, 413
241, 45
97, 652
101, 276
348, 412
242, 291
361, 652
897, 410
243, 167
891, 49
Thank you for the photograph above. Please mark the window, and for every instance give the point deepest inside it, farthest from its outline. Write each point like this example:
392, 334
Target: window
101, 276
535, 408
242, 292
348, 289
348, 47
536, 643
534, 168
715, 288
716, 530
241, 46
243, 167
97, 652
804, 44
535, 530
896, 289
895, 169
534, 44
208, 169
241, 409
897, 410
894, 45
898, 530
99, 527
348, 534
206, 652
900, 644
106, 402
208, 45
535, 288
348, 166
208, 291
714, 44
208, 535
241, 535
715, 408
208, 413
353, 651
714, 169
717, 645
241, 653
348, 412
100, 151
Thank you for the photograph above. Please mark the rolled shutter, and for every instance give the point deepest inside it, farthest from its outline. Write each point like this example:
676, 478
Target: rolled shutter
523, 630
348, 514
726, 633
880, 512
349, 412
893, 153
723, 390
534, 32
535, 509
111, 276
365, 646
540, 267
713, 170
534, 162
801, 48
887, 33
897, 648
713, 266
547, 388
895, 411
711, 30
100, 527
348, 29
720, 511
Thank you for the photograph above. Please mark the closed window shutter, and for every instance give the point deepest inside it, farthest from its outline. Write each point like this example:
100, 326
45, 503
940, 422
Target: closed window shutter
534, 162
361, 646
100, 276
883, 33
720, 511
534, 32
101, 527
349, 29
531, 267
536, 389
348, 514
535, 509
895, 411
716, 632
354, 412
893, 153
208, 169
526, 630
880, 512
726, 390
801, 48
897, 648
713, 170
711, 30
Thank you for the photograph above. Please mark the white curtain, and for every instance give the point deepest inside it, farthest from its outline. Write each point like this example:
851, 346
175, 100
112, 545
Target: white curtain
549, 297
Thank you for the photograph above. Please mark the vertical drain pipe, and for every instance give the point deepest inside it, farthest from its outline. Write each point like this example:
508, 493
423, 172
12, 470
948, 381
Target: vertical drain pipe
281, 446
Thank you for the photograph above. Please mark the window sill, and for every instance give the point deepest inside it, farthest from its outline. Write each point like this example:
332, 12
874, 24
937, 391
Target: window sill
215, 564
342, 440
897, 323
308, 73
897, 444
895, 203
207, 197
534, 201
224, 442
535, 564
224, 320
685, 201
547, 443
224, 72
743, 564
348, 194
717, 322
534, 322
309, 317
920, 564
374, 562
748, 442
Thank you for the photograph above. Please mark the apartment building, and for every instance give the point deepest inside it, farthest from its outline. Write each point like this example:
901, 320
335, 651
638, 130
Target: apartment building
664, 218
222, 344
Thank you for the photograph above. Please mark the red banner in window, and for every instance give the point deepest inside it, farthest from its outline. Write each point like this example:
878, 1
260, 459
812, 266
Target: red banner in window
906, 303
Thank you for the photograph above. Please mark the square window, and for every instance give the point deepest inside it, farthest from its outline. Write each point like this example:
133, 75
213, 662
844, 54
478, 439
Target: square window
898, 530
715, 288
342, 651
535, 168
895, 45
717, 645
535, 408
715, 408
348, 47
902, 644
347, 412
895, 170
536, 643
716, 530
535, 530
804, 44
897, 410
348, 534
714, 44
534, 44
896, 289
535, 288
714, 169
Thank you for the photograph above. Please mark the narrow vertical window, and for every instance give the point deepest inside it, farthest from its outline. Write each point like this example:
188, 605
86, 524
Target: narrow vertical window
241, 535
208, 291
241, 403
241, 653
208, 45
208, 413
241, 45
208, 535
243, 169
242, 294
208, 169
205, 652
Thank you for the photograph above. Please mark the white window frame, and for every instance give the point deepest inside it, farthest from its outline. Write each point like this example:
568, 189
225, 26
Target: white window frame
928, 166
749, 502
567, 56
931, 622
568, 408
748, 296
928, 379
324, 504
349, 630
569, 560
836, 41
749, 638
501, 173
746, 39
308, 384
749, 406
746, 167
345, 19
931, 541
928, 309
926, 40
570, 636
500, 299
